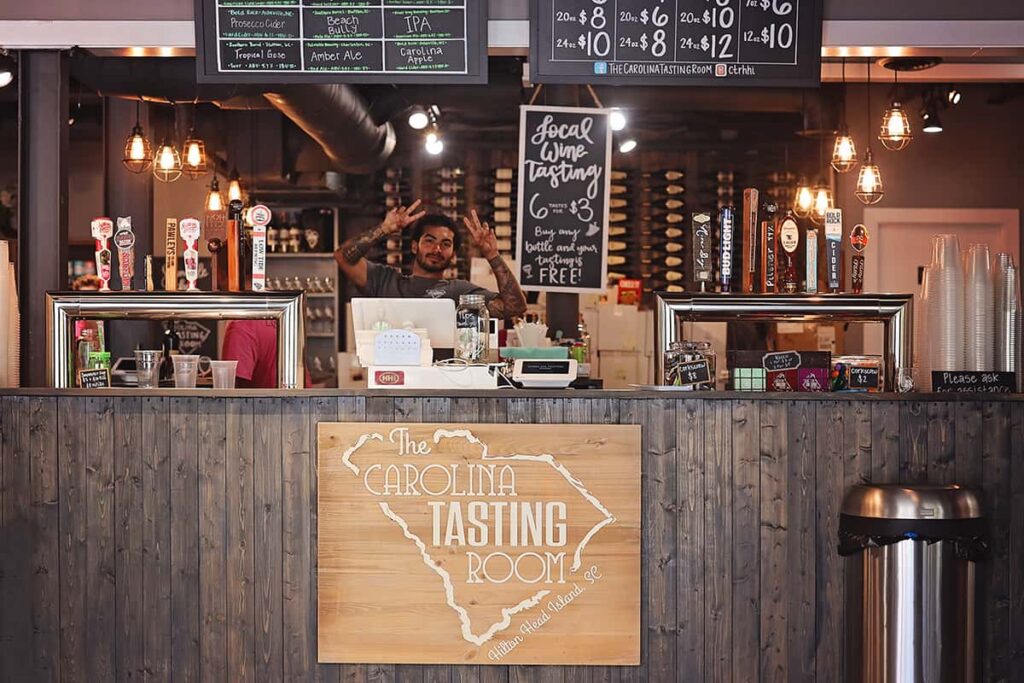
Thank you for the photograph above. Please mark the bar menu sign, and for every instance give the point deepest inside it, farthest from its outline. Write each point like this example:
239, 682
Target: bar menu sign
564, 162
335, 41
676, 42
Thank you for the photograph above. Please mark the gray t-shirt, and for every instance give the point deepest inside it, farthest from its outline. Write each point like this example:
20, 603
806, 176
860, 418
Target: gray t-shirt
389, 283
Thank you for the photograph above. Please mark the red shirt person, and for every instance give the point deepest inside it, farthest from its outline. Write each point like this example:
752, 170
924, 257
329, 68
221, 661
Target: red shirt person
253, 343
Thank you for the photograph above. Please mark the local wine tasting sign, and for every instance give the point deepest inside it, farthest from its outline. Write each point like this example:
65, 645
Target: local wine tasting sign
479, 544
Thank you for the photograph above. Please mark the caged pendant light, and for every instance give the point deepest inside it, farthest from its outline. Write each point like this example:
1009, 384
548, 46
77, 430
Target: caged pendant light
167, 164
193, 154
895, 133
138, 151
844, 152
214, 200
869, 188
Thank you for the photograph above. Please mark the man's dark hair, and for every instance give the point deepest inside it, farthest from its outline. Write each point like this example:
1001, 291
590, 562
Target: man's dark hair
437, 220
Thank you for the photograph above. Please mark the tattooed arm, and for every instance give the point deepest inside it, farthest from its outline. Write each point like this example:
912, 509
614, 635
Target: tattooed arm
351, 255
510, 302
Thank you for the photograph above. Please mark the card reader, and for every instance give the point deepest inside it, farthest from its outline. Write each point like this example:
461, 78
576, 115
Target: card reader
544, 374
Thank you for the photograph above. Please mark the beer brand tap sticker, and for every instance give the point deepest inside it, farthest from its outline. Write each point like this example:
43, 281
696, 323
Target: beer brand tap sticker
479, 544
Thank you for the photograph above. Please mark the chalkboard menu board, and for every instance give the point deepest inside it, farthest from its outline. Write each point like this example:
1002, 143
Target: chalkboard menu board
676, 42
564, 159
337, 41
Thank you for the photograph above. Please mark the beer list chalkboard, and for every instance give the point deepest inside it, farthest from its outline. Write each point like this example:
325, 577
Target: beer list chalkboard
676, 42
564, 159
333, 41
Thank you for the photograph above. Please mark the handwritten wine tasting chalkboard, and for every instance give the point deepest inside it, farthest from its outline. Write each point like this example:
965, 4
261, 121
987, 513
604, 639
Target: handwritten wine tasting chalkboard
564, 158
676, 42
335, 41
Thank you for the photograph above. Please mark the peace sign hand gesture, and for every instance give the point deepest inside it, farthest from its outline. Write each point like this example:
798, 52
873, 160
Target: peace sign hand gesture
399, 218
483, 236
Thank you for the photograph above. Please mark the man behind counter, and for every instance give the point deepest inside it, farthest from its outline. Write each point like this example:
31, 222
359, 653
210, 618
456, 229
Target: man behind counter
435, 242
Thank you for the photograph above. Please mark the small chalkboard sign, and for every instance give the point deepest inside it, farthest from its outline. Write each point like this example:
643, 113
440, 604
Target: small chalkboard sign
692, 372
94, 379
949, 381
781, 361
864, 377
564, 162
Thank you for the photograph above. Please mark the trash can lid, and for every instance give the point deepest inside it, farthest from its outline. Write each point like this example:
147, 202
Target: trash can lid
896, 501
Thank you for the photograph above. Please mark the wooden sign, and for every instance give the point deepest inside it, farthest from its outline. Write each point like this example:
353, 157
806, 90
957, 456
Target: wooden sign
479, 543
94, 379
949, 381
325, 41
676, 42
564, 184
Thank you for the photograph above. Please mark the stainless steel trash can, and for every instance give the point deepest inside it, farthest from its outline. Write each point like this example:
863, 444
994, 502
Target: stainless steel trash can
911, 583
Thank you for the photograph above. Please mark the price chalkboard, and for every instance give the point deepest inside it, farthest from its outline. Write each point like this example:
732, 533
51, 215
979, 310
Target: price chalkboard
676, 42
94, 379
782, 360
337, 41
564, 162
691, 372
864, 377
947, 381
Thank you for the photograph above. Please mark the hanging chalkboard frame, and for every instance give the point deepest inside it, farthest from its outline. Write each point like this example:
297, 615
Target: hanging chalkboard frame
806, 73
601, 285
207, 70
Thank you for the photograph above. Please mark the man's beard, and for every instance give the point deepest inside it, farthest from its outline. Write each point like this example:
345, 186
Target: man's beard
431, 266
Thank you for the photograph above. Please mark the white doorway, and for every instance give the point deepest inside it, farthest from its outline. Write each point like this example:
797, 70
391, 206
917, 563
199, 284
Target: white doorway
900, 245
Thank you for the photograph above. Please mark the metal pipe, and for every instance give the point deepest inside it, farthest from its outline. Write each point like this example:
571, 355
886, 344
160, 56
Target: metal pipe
284, 307
895, 311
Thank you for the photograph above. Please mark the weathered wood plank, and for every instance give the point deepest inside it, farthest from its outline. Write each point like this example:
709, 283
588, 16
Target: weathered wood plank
913, 443
775, 538
996, 471
885, 442
17, 532
1016, 608
658, 534
718, 541
746, 548
830, 421
100, 557
213, 571
941, 442
437, 409
857, 444
300, 644
268, 492
631, 411
128, 538
578, 411
184, 511
690, 429
800, 510
968, 440
240, 540
381, 409
156, 533
322, 409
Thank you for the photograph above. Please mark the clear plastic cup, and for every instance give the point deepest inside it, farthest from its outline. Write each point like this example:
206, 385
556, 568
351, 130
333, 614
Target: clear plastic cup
224, 373
147, 367
186, 369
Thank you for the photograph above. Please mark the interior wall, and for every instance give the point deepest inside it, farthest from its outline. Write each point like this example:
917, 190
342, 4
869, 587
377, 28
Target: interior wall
974, 163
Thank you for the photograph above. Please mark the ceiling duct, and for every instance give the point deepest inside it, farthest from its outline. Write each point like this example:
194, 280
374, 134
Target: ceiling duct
335, 116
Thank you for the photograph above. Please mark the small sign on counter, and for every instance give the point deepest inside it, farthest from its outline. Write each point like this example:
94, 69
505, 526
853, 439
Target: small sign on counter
952, 381
692, 372
98, 378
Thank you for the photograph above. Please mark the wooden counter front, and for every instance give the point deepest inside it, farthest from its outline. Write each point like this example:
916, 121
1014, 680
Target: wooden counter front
172, 535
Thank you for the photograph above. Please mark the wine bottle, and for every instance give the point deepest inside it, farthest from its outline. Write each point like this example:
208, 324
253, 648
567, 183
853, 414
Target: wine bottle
619, 189
618, 203
673, 275
673, 261
616, 260
391, 187
450, 173
502, 187
504, 173
619, 175
169, 347
502, 216
673, 232
670, 189
447, 202
502, 230
672, 247
617, 230
617, 245
670, 204
448, 187
669, 175
503, 202
617, 217
666, 217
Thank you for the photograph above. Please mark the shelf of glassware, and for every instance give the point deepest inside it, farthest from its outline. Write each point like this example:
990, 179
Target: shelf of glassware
317, 276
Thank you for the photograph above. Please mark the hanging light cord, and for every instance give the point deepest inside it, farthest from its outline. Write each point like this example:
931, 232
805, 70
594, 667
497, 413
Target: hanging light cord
868, 118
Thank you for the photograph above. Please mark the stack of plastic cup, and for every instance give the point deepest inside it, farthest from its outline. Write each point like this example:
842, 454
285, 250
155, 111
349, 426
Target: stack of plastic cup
1007, 312
922, 345
979, 310
946, 305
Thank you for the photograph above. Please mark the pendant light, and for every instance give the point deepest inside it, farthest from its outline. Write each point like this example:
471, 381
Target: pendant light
822, 192
803, 199
234, 186
869, 188
167, 163
895, 133
138, 152
844, 152
214, 200
193, 153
